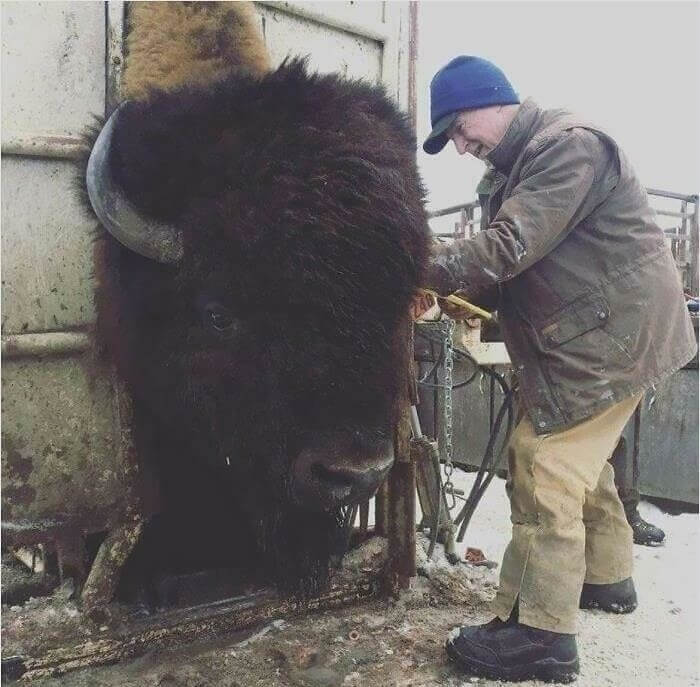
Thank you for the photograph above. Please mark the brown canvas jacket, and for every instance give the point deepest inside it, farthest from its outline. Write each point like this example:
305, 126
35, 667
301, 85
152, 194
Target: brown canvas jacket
591, 305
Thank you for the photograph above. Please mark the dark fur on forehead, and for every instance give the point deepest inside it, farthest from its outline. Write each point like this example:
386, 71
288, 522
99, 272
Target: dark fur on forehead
290, 168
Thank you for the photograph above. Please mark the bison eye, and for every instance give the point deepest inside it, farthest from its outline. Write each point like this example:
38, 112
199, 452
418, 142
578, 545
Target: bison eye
219, 317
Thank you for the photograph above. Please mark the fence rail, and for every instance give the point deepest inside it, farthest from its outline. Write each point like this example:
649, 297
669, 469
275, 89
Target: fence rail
683, 238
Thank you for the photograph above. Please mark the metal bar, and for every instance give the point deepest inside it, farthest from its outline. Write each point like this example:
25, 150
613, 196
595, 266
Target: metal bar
694, 238
452, 209
103, 577
41, 145
451, 234
665, 194
412, 62
669, 194
114, 52
402, 511
635, 444
364, 520
381, 511
374, 31
50, 343
182, 628
671, 233
681, 246
402, 491
671, 213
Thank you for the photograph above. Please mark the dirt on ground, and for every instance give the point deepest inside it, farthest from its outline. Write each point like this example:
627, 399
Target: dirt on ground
390, 642
379, 642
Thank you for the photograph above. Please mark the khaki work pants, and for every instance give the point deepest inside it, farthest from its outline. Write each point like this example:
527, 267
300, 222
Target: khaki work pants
569, 525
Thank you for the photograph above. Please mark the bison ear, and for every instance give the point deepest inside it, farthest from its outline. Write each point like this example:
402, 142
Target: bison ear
144, 235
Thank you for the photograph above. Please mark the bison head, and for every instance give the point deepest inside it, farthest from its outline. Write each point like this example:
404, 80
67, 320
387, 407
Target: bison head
271, 235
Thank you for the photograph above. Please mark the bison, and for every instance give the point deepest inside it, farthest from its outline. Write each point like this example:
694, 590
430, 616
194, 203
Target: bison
266, 234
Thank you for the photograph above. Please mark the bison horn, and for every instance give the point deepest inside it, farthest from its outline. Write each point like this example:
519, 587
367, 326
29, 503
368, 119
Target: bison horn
142, 234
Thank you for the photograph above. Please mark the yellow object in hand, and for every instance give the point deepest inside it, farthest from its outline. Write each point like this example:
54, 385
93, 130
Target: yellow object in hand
457, 302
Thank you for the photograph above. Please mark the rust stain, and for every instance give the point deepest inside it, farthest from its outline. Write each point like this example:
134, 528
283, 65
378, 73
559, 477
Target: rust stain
19, 495
20, 462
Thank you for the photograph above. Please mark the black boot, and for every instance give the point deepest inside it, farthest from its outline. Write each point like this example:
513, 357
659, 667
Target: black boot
511, 651
644, 532
618, 597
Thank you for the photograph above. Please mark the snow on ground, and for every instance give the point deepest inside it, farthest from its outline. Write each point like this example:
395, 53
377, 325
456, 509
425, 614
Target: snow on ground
657, 645
388, 642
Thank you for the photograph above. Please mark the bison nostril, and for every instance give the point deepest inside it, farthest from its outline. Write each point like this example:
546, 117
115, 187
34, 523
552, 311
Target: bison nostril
329, 475
332, 470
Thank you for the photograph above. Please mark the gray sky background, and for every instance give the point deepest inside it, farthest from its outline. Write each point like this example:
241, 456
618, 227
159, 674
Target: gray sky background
631, 67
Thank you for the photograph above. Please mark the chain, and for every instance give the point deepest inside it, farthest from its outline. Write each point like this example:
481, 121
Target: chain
447, 411
445, 329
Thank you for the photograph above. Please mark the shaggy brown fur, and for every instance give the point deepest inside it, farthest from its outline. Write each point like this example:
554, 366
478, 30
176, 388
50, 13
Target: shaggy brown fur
284, 324
173, 44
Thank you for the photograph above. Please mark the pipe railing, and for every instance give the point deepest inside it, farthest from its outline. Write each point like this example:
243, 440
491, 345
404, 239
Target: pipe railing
683, 238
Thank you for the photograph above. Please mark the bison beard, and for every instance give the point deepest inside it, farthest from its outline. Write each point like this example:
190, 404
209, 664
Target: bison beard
281, 333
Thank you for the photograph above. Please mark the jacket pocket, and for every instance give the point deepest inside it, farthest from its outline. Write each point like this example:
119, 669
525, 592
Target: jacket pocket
583, 315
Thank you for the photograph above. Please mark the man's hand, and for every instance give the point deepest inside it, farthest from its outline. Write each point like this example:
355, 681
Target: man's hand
438, 277
422, 302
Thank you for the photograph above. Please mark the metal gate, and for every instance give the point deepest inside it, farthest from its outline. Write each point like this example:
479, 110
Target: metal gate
68, 466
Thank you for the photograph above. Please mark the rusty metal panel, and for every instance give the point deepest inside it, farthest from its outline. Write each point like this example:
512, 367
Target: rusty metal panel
47, 243
366, 14
668, 446
61, 459
53, 71
368, 40
290, 34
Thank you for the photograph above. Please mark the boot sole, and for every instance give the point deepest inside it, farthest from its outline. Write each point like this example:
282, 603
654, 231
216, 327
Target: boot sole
645, 542
618, 608
547, 669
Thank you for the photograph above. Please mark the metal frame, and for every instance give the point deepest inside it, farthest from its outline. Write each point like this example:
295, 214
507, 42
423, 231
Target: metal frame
395, 502
684, 238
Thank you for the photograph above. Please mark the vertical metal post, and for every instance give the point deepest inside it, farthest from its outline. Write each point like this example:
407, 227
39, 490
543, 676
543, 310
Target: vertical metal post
114, 53
402, 510
635, 444
462, 224
364, 519
381, 512
402, 488
693, 286
682, 247
412, 62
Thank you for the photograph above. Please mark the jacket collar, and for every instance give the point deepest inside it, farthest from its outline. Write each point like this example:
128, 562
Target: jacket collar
516, 136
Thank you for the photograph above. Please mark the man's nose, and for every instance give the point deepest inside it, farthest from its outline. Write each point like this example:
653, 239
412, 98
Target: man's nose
460, 146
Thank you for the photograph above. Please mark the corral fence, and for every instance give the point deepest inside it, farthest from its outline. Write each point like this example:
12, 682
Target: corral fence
666, 428
677, 213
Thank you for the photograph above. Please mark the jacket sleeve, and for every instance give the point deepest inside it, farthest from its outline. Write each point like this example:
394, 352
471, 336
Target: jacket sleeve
558, 187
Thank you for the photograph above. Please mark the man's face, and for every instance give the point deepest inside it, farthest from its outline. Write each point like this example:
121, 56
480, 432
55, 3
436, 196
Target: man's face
478, 131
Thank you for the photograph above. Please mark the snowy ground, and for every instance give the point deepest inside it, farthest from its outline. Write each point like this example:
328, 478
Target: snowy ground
389, 643
657, 645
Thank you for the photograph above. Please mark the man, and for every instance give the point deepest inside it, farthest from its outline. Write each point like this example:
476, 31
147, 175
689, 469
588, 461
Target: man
623, 461
592, 313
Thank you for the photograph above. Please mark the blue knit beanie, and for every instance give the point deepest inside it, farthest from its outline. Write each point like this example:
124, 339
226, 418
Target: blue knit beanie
464, 83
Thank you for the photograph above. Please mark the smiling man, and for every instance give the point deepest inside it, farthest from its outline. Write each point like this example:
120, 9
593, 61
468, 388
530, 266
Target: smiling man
592, 313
